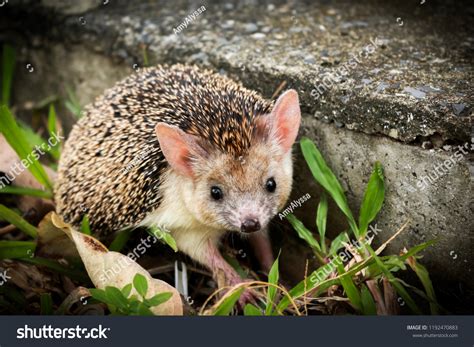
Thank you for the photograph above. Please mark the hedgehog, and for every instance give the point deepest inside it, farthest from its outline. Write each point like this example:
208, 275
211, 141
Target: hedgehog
187, 150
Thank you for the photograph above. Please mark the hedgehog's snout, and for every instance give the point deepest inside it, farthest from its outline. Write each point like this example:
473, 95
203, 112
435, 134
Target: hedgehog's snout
250, 225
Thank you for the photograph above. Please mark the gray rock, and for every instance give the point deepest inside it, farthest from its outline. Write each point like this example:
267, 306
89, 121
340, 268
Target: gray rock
415, 92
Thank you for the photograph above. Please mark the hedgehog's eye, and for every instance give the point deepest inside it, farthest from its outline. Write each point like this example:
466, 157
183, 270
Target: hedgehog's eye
271, 185
216, 193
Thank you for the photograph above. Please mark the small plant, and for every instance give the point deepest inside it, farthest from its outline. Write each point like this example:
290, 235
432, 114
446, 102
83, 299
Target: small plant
350, 270
122, 302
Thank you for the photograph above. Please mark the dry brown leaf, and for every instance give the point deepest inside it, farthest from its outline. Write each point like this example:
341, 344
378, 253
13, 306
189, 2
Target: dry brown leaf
106, 268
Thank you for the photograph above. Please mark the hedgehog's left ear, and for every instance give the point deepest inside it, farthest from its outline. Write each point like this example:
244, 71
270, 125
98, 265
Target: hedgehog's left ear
179, 148
283, 122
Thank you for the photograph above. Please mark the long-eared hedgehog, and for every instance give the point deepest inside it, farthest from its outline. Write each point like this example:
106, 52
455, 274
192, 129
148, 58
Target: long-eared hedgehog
187, 150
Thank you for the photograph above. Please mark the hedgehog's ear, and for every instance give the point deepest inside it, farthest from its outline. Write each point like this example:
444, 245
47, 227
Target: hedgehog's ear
284, 121
178, 148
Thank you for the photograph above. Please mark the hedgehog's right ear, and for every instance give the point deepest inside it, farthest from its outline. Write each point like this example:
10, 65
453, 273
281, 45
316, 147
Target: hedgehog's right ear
179, 148
283, 122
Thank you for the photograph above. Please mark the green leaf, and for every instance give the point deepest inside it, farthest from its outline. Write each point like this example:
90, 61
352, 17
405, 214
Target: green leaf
127, 290
163, 236
120, 240
321, 217
251, 310
225, 307
373, 199
349, 287
303, 233
116, 298
26, 191
368, 303
18, 142
46, 304
99, 295
72, 104
141, 284
18, 221
143, 310
16, 249
30, 135
325, 177
424, 277
273, 276
158, 299
312, 281
8, 66
416, 249
337, 243
85, 225
398, 287
53, 132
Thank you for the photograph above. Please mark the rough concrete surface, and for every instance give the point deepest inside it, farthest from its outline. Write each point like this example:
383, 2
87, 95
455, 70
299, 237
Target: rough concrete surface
406, 102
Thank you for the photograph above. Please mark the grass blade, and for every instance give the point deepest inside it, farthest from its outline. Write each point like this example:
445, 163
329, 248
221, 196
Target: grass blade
26, 191
86, 227
398, 287
325, 177
368, 303
18, 142
18, 221
53, 132
273, 276
373, 199
349, 287
73, 273
225, 307
251, 310
424, 277
16, 249
336, 244
321, 217
120, 240
303, 233
46, 303
163, 236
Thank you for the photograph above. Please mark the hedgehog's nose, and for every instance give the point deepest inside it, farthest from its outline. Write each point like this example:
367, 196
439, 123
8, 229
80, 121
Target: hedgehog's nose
250, 225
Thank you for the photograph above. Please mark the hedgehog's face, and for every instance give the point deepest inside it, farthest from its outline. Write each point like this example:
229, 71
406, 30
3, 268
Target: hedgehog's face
240, 194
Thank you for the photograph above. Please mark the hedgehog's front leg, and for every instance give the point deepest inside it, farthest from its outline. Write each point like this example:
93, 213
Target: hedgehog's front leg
207, 253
